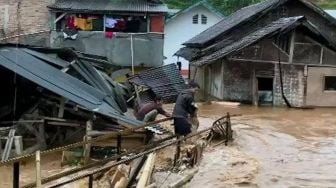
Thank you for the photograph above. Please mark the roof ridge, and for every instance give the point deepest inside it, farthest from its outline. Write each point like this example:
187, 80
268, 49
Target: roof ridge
242, 15
205, 3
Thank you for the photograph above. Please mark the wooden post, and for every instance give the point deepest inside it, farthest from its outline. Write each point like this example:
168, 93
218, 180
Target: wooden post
119, 145
38, 170
61, 108
8, 146
18, 145
16, 175
178, 151
132, 54
292, 46
0, 147
321, 57
136, 170
88, 145
147, 171
90, 181
42, 138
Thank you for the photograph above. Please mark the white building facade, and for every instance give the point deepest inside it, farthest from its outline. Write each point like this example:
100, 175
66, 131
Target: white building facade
183, 26
331, 12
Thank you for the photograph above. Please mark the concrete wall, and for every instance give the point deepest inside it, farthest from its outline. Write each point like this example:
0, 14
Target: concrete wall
148, 48
180, 29
25, 16
316, 95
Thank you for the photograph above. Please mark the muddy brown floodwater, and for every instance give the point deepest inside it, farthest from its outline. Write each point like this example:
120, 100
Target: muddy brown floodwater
273, 147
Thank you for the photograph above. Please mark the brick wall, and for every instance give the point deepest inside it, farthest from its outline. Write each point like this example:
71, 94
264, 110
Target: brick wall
24, 16
294, 83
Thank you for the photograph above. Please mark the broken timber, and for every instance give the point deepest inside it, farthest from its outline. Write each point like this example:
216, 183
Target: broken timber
127, 159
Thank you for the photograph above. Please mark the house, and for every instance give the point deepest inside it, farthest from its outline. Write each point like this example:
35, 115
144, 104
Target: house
331, 12
128, 33
186, 24
276, 52
29, 19
125, 32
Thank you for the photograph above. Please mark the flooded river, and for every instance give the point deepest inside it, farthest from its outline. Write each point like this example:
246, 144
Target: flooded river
273, 147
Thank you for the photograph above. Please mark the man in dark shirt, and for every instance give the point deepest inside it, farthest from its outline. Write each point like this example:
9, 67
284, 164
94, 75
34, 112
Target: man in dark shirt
184, 109
147, 112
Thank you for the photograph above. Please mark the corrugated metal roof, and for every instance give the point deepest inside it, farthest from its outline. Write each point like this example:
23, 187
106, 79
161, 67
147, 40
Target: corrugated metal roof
242, 16
51, 78
103, 6
165, 81
249, 39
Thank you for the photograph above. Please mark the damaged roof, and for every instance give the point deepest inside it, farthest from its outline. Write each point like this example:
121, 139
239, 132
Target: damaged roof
165, 81
242, 16
29, 64
106, 6
269, 30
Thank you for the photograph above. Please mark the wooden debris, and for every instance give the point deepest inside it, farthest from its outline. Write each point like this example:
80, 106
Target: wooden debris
153, 185
194, 153
88, 145
122, 183
38, 170
145, 177
184, 180
121, 172
136, 169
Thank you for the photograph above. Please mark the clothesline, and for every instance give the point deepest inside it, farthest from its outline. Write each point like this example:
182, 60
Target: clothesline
145, 33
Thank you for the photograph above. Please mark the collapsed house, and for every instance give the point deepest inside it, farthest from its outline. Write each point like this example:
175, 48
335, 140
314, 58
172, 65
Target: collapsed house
276, 52
51, 93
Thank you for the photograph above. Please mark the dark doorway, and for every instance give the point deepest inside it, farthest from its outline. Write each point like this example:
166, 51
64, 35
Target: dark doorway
265, 90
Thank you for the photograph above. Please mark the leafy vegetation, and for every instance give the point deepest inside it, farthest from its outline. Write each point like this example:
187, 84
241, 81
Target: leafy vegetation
224, 6
327, 4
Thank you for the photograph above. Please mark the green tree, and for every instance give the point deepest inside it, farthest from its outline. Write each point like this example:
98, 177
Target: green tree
230, 6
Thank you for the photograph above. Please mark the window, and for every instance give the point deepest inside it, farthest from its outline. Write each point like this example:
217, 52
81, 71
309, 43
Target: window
195, 19
330, 83
204, 19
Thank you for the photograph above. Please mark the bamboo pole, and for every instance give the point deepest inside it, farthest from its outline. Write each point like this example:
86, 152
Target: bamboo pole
147, 172
87, 148
38, 170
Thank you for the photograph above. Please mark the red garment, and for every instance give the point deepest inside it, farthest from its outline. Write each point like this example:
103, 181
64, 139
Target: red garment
121, 25
71, 22
109, 35
148, 107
